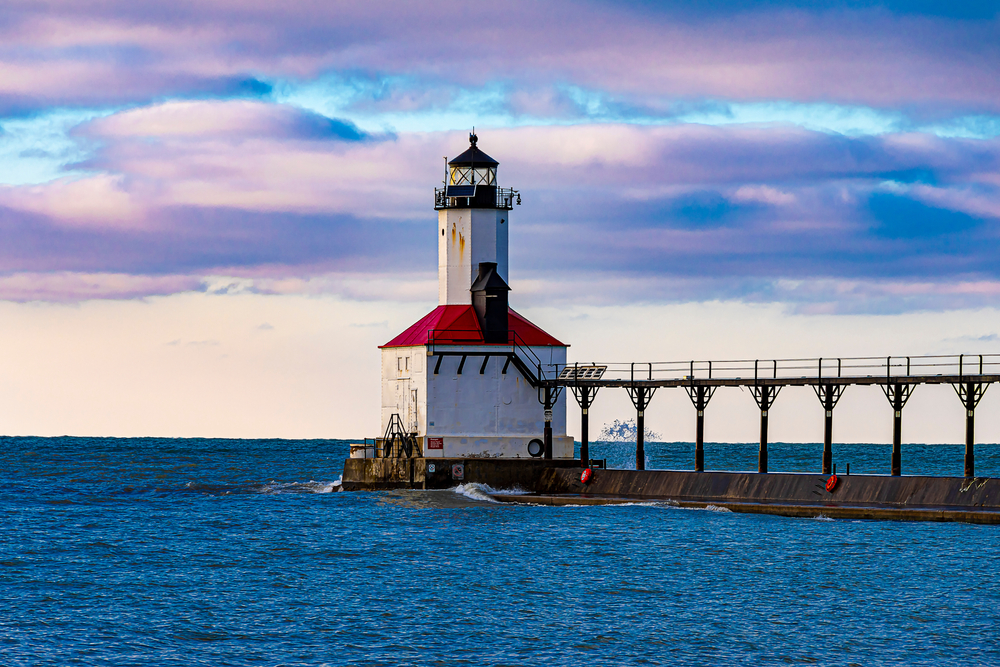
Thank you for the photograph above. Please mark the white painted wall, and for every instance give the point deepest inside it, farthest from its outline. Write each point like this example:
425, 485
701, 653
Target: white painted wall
404, 387
489, 414
466, 237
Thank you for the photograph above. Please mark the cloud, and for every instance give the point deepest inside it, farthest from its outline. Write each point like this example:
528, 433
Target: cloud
220, 121
763, 194
76, 286
66, 53
811, 296
254, 192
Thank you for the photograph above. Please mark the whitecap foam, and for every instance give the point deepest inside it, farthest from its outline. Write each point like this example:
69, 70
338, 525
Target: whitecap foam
637, 503
476, 491
311, 486
822, 517
716, 508
512, 491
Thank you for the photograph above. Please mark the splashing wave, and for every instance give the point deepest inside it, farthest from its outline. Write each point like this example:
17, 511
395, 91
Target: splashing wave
483, 492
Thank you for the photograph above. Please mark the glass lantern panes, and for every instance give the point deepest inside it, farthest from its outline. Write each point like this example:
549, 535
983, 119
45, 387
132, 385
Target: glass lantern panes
470, 176
486, 176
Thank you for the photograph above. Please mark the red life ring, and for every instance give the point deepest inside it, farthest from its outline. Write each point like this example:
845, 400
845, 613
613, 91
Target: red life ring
585, 475
831, 483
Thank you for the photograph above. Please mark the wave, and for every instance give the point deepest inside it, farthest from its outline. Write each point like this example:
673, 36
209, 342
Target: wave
716, 508
311, 486
636, 503
233, 488
484, 492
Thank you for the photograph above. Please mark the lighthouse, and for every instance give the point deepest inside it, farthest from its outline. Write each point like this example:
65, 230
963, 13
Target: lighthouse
463, 381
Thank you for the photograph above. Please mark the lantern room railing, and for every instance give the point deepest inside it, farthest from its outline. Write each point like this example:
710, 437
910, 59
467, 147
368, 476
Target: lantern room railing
504, 199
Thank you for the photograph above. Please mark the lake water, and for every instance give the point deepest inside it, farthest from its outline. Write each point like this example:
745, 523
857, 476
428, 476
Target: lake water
238, 552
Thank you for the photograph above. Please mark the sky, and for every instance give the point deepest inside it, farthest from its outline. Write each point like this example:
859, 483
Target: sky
212, 212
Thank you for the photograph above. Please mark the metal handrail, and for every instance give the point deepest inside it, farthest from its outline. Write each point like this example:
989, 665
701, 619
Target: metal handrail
505, 199
818, 368
517, 346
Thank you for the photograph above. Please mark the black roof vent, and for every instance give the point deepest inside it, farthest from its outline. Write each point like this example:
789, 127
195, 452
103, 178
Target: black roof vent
489, 298
488, 279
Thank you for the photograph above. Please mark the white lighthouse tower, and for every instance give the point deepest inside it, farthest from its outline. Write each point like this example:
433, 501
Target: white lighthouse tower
463, 380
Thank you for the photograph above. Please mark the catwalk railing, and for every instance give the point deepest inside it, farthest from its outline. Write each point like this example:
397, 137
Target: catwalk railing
926, 369
970, 375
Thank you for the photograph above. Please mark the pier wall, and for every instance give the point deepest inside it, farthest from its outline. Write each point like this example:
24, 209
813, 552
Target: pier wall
556, 482
416, 473
797, 494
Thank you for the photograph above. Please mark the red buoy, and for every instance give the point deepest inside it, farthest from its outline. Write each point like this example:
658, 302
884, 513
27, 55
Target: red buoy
831, 483
585, 476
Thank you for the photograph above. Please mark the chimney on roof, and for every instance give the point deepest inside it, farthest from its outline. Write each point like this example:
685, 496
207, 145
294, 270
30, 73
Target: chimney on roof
489, 298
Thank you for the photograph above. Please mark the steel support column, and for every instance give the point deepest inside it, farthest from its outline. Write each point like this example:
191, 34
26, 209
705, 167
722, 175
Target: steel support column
898, 394
828, 395
585, 398
970, 394
764, 395
547, 437
548, 396
970, 442
640, 399
897, 436
700, 396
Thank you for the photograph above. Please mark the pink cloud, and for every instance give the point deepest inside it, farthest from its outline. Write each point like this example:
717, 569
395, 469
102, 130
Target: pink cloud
181, 191
99, 201
764, 194
71, 286
268, 158
89, 52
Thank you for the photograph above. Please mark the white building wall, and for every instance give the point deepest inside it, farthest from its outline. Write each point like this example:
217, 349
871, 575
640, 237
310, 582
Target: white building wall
493, 414
490, 414
404, 387
466, 237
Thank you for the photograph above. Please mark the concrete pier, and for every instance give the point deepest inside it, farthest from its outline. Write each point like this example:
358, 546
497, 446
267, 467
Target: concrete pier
441, 473
555, 482
975, 500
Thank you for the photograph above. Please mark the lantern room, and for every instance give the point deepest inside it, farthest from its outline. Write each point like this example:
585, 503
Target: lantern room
471, 182
473, 167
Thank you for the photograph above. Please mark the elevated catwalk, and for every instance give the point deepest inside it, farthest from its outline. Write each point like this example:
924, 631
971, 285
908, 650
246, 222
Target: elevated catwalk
970, 375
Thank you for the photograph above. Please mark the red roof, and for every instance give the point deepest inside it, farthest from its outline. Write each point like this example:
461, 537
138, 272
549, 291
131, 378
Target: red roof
458, 325
528, 333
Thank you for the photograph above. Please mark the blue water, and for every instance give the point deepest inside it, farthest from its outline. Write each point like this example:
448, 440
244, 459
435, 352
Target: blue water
236, 552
